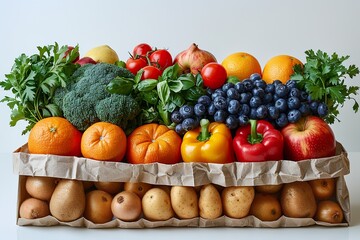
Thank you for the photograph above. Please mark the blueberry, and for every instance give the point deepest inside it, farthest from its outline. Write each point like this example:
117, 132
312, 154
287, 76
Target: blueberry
176, 117
282, 121
253, 113
239, 86
206, 100
243, 120
275, 97
268, 98
281, 105
303, 96
293, 102
281, 90
245, 109
270, 88
220, 103
294, 92
227, 86
261, 112
294, 116
305, 109
220, 116
218, 93
234, 106
179, 129
291, 84
322, 110
273, 112
248, 85
277, 82
199, 109
255, 76
260, 83
232, 93
245, 97
314, 106
231, 122
258, 92
211, 109
186, 111
255, 102
188, 124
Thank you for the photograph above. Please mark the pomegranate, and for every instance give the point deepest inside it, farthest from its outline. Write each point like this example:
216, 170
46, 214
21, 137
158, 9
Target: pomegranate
193, 59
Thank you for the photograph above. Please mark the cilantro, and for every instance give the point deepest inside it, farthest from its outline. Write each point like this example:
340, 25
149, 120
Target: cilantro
33, 81
323, 77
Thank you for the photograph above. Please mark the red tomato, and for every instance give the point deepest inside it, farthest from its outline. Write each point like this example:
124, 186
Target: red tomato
141, 50
150, 72
161, 59
214, 75
134, 65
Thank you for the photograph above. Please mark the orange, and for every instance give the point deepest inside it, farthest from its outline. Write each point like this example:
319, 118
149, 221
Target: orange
241, 65
54, 135
104, 141
279, 68
152, 143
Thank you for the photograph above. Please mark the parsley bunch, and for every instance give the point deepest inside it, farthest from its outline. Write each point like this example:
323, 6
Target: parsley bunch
33, 81
323, 77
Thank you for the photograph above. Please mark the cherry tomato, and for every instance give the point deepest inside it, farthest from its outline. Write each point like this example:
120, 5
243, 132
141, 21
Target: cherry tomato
214, 75
150, 72
141, 50
134, 65
161, 59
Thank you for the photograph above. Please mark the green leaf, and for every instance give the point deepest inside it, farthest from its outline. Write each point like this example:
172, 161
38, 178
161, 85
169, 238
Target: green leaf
233, 79
163, 91
199, 80
138, 76
147, 85
177, 99
150, 97
193, 94
337, 93
188, 81
175, 85
121, 64
120, 85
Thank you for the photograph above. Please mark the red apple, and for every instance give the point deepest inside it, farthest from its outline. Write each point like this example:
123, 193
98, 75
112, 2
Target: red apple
85, 60
310, 137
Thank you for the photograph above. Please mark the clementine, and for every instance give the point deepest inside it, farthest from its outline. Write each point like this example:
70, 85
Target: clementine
241, 65
54, 135
104, 141
152, 143
280, 68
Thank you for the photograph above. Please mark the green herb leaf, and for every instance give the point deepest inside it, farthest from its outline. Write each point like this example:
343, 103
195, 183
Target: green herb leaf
163, 91
147, 85
120, 85
175, 85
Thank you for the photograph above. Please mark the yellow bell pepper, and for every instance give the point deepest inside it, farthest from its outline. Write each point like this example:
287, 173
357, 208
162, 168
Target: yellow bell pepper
210, 143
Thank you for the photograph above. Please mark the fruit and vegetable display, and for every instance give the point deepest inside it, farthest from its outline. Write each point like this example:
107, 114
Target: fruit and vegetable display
179, 140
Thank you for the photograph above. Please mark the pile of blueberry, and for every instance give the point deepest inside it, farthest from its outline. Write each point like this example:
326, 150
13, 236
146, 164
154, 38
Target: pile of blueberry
253, 98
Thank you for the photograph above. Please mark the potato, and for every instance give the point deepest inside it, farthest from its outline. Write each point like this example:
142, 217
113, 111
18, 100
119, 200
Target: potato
112, 188
156, 205
98, 206
126, 206
33, 208
40, 187
184, 202
137, 187
210, 202
237, 200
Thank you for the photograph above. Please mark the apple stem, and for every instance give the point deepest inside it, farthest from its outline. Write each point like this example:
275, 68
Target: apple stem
254, 137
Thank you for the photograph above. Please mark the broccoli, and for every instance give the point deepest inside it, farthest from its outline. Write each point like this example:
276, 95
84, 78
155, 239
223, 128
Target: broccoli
86, 100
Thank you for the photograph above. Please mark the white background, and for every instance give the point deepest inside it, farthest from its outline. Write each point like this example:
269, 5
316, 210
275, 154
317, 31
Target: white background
261, 28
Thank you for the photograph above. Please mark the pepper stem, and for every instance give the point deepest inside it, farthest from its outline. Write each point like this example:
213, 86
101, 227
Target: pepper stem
254, 137
204, 131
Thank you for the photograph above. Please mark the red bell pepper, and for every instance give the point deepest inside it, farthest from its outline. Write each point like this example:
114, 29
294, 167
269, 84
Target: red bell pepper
258, 141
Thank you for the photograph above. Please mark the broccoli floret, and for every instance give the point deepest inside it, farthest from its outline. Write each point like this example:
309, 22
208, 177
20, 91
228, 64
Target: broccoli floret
86, 100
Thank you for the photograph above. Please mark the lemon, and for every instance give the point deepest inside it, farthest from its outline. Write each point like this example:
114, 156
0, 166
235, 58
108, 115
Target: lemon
103, 53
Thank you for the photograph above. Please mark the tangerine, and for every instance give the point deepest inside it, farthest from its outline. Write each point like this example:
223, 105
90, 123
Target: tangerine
241, 65
279, 68
54, 135
104, 141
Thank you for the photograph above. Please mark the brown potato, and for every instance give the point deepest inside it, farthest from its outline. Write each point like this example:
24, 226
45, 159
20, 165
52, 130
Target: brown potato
210, 205
184, 202
40, 187
156, 205
109, 187
33, 208
98, 206
323, 189
269, 188
126, 206
139, 188
266, 207
329, 211
237, 200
